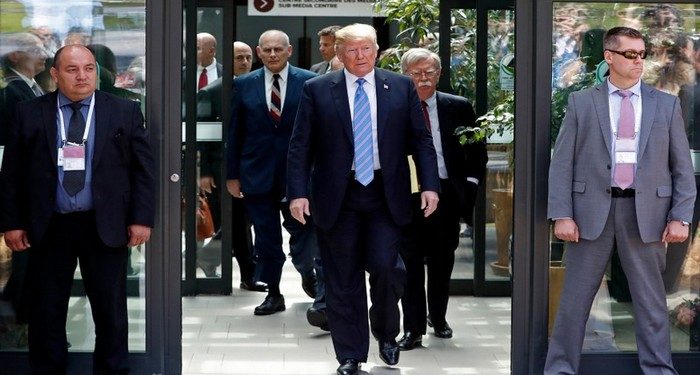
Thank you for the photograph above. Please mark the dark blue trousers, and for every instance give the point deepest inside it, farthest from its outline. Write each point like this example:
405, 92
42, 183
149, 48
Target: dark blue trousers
364, 238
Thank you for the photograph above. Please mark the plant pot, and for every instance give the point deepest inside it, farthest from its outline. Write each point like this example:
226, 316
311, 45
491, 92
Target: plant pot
503, 218
556, 286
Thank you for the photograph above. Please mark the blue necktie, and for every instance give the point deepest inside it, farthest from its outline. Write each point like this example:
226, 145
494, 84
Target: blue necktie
362, 133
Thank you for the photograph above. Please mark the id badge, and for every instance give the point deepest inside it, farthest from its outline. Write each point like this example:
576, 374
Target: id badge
74, 158
625, 157
625, 144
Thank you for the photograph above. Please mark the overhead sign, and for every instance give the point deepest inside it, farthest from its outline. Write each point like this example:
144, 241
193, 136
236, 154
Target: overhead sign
312, 8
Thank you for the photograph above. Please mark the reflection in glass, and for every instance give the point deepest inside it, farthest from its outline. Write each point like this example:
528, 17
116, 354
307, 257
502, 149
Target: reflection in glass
30, 34
672, 66
208, 148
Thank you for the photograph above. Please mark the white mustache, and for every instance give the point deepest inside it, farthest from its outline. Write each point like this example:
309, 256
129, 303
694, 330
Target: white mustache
425, 84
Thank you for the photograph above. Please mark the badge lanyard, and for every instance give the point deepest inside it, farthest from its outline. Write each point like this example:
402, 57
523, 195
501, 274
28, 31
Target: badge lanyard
87, 122
72, 148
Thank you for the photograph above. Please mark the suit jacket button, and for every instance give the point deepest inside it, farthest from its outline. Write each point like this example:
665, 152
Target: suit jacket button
608, 166
607, 191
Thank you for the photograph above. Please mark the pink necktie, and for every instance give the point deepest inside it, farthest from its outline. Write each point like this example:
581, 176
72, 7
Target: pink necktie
624, 172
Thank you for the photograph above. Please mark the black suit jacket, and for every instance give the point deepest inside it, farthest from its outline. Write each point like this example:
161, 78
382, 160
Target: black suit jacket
15, 92
461, 161
322, 145
122, 181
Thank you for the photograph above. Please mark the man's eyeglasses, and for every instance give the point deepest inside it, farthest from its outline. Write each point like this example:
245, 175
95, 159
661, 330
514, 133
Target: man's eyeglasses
630, 54
428, 73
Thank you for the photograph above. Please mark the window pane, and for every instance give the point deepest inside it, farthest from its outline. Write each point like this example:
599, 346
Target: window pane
30, 33
673, 66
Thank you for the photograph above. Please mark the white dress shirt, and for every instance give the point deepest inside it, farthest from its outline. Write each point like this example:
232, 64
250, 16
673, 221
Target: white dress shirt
614, 103
435, 131
212, 74
284, 74
370, 89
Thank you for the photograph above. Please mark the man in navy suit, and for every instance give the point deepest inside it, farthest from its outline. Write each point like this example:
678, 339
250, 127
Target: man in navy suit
352, 135
264, 105
436, 238
77, 185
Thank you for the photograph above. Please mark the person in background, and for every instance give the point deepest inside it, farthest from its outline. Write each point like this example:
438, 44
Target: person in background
210, 154
26, 59
263, 109
435, 238
326, 45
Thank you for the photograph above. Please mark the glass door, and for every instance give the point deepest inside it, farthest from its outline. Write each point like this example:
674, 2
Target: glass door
206, 204
672, 38
482, 56
117, 32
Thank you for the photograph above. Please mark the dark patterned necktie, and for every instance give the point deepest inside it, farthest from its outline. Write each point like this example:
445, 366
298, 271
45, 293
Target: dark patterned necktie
74, 181
276, 99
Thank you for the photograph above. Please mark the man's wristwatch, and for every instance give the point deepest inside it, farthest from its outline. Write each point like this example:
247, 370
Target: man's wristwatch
685, 223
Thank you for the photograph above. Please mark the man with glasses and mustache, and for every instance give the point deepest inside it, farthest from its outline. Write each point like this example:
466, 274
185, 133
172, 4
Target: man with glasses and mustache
436, 237
620, 176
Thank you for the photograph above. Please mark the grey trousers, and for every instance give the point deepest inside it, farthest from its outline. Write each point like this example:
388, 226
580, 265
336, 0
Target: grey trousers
643, 264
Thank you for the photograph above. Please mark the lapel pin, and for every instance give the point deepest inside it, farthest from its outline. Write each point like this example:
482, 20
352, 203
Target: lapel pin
386, 87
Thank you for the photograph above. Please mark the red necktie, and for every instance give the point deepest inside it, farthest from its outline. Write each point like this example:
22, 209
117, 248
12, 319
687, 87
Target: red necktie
203, 79
426, 115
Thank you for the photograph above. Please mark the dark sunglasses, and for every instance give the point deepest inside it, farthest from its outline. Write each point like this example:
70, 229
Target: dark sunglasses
630, 54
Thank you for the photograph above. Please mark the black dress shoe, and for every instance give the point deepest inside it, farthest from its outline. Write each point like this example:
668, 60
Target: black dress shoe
308, 283
389, 352
254, 286
317, 318
410, 340
271, 305
348, 367
443, 331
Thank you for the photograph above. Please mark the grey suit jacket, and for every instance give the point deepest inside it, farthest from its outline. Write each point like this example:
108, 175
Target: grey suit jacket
580, 170
320, 68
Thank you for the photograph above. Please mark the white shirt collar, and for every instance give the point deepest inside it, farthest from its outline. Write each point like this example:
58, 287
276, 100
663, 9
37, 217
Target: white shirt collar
432, 100
29, 81
209, 67
636, 89
284, 73
351, 78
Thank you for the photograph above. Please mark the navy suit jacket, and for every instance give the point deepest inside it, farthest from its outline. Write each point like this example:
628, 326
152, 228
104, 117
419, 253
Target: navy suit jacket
257, 147
322, 145
123, 184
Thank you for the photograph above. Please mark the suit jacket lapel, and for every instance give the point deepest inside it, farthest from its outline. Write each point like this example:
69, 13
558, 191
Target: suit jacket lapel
292, 87
602, 108
442, 104
383, 88
102, 125
49, 109
648, 110
339, 92
259, 78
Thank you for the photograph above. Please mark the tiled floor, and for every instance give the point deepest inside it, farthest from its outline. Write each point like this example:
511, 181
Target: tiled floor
222, 336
